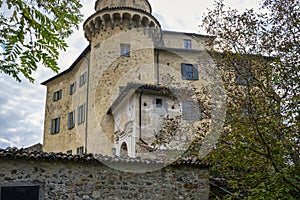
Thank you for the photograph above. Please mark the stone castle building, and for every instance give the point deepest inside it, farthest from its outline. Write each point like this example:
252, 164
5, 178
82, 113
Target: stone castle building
117, 92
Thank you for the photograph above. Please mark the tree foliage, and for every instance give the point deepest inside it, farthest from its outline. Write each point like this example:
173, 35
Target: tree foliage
33, 31
257, 156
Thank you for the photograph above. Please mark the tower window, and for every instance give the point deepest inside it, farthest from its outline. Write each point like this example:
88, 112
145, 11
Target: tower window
187, 44
125, 50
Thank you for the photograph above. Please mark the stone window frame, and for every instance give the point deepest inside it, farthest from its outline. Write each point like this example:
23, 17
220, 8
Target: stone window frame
55, 125
39, 184
125, 50
187, 44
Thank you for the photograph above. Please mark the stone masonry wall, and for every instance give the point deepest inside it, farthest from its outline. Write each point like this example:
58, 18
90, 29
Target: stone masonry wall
94, 180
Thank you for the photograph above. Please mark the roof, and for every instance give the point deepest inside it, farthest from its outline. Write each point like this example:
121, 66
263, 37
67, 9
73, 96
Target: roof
88, 49
23, 154
188, 34
130, 88
35, 147
82, 55
179, 50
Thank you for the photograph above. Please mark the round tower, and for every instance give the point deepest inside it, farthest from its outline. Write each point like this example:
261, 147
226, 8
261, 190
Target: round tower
123, 35
122, 15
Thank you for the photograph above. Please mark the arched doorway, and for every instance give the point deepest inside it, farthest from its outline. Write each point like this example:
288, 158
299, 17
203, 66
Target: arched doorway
124, 150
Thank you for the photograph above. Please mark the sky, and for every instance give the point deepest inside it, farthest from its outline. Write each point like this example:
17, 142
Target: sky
22, 104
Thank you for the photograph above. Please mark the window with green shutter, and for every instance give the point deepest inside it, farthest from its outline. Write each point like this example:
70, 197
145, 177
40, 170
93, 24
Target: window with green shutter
55, 125
81, 114
71, 120
82, 79
189, 72
72, 88
57, 95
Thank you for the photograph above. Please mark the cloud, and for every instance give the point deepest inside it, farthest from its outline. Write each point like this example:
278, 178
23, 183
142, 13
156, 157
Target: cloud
22, 104
6, 143
21, 112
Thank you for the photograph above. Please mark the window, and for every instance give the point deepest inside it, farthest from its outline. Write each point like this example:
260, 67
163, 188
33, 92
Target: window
30, 192
71, 120
72, 88
241, 80
81, 114
189, 72
158, 103
55, 123
79, 150
244, 76
69, 152
57, 95
187, 44
82, 79
190, 111
125, 50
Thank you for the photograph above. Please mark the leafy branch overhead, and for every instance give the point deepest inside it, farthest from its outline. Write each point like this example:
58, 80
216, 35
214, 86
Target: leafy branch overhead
32, 32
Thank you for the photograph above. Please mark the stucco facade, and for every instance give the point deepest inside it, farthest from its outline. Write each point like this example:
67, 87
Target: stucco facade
138, 114
127, 44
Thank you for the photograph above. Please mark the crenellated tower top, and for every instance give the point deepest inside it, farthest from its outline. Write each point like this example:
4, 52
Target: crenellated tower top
114, 15
135, 4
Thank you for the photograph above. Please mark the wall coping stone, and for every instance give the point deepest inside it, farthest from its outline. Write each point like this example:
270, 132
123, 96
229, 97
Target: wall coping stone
13, 153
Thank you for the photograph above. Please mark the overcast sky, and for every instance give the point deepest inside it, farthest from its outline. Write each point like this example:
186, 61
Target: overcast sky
22, 104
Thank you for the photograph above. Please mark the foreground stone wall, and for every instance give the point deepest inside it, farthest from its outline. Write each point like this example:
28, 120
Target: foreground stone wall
86, 178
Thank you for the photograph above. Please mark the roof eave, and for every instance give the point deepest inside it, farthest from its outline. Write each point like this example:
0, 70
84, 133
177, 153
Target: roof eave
83, 54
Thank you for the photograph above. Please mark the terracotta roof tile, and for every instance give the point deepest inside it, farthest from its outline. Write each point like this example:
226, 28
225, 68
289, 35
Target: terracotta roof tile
23, 154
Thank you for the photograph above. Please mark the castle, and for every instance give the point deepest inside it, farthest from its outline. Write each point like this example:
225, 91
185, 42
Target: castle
132, 75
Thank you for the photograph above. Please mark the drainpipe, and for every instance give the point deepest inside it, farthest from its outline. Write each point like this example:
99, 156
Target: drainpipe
140, 116
87, 104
